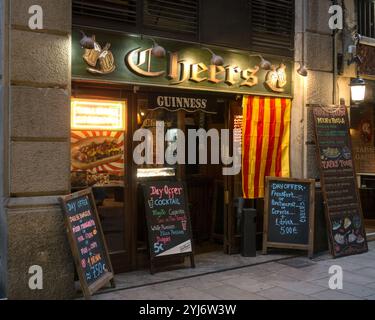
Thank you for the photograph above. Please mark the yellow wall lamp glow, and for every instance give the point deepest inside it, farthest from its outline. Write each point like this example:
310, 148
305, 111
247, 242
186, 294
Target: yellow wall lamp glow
97, 115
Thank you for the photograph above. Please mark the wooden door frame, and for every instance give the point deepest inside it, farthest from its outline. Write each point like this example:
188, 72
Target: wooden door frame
230, 219
103, 91
132, 181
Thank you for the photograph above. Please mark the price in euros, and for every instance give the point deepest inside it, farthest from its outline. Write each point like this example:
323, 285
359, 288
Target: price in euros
288, 230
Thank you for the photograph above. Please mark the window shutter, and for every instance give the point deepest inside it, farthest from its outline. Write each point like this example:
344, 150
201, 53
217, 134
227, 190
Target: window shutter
177, 16
366, 18
112, 12
272, 26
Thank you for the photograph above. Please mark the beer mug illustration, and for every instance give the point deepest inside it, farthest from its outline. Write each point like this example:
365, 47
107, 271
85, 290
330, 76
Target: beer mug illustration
91, 56
106, 60
100, 60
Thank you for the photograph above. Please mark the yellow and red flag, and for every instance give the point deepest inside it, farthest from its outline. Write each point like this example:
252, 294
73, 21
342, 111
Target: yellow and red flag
265, 142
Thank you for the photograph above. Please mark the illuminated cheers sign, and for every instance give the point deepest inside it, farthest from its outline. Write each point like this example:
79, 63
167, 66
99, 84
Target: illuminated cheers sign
129, 59
181, 70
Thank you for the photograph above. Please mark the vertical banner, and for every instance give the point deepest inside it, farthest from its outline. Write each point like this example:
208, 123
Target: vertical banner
266, 141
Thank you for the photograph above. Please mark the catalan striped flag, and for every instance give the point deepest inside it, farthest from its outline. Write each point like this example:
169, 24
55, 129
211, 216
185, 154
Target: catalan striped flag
265, 147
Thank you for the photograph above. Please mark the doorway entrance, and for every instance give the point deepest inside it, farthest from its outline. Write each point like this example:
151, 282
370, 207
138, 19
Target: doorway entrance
117, 185
206, 186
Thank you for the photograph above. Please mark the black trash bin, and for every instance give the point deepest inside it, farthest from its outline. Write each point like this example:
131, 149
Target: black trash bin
248, 232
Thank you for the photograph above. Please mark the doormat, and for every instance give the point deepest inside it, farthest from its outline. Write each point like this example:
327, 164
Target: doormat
297, 263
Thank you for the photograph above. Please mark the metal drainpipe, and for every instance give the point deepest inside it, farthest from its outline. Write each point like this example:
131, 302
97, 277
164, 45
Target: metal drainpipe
334, 60
304, 135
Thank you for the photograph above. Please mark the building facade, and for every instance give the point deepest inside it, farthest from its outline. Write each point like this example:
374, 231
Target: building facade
38, 82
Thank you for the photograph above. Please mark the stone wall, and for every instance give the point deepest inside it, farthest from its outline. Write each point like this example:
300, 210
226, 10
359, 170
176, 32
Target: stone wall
38, 159
318, 87
2, 212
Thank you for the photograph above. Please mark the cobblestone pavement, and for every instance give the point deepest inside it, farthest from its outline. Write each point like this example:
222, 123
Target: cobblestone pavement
291, 279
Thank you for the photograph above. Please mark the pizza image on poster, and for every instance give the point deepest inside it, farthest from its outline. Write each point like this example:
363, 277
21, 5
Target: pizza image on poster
97, 151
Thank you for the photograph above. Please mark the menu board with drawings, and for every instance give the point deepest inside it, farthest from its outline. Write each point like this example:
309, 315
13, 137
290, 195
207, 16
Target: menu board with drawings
87, 241
339, 184
289, 214
168, 220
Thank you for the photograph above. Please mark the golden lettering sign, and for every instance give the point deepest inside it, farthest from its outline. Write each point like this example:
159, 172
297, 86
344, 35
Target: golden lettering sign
140, 62
276, 78
142, 56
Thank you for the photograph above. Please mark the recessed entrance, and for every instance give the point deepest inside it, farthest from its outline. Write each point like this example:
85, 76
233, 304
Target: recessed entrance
116, 180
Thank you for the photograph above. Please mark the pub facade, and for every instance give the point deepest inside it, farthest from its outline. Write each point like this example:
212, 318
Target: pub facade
101, 71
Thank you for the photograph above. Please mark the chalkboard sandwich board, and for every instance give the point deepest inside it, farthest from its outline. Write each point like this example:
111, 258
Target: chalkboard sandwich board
289, 214
344, 216
87, 241
168, 220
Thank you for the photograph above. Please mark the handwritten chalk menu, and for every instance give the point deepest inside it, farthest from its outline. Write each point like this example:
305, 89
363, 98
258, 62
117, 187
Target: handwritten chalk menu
168, 220
289, 214
87, 241
339, 185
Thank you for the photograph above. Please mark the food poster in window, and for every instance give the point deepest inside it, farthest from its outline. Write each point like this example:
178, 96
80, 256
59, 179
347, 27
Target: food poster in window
362, 133
97, 153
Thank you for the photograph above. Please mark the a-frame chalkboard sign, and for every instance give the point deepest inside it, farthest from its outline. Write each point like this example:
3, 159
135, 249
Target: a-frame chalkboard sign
87, 242
289, 214
168, 221
343, 209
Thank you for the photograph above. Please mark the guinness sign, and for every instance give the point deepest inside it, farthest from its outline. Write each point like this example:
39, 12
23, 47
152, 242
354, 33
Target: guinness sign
186, 102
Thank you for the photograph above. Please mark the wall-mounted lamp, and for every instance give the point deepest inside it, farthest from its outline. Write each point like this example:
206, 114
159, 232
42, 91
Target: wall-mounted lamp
357, 85
302, 70
87, 42
264, 64
215, 60
358, 90
157, 50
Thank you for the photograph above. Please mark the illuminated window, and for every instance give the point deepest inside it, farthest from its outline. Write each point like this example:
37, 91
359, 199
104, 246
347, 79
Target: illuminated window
97, 115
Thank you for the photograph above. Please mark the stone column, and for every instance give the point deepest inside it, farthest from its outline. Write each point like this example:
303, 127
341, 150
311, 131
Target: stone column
319, 85
2, 131
37, 149
313, 45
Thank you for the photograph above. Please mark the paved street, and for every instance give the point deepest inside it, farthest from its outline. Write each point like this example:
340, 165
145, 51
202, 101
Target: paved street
291, 279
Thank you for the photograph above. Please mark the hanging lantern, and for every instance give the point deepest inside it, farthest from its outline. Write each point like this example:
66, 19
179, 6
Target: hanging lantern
358, 90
